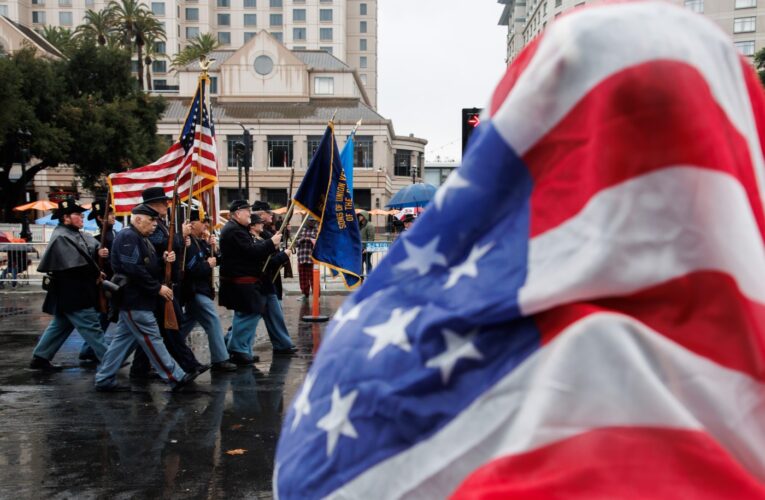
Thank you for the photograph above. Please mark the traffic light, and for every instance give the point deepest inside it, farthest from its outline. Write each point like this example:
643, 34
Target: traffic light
471, 118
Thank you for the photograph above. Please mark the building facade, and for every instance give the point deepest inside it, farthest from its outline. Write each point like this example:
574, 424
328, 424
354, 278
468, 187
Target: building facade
743, 20
346, 29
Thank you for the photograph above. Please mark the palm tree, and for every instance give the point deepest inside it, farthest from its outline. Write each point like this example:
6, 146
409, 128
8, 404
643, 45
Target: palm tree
199, 47
148, 31
98, 25
60, 37
128, 15
151, 56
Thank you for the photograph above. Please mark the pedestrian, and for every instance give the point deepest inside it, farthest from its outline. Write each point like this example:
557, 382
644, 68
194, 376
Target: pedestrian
304, 244
367, 234
72, 286
199, 303
273, 316
136, 259
18, 260
242, 260
156, 199
98, 212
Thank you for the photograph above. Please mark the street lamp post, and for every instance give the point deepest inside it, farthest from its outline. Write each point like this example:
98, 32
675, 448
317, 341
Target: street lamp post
24, 140
239, 150
247, 140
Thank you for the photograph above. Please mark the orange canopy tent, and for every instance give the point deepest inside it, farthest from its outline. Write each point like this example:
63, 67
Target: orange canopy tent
42, 205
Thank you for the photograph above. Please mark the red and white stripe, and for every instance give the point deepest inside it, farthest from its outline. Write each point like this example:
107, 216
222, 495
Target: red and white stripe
127, 186
646, 275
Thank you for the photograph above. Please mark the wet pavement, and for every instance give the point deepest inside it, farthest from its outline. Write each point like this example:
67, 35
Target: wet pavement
61, 439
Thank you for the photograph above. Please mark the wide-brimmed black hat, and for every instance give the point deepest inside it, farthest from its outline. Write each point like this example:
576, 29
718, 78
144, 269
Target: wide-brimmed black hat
143, 209
98, 208
154, 194
261, 205
66, 207
408, 218
238, 205
255, 219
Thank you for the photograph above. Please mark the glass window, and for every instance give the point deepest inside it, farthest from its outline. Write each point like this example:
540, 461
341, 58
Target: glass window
160, 84
298, 33
3, 10
363, 9
160, 47
250, 4
90, 3
403, 165
224, 37
213, 84
363, 78
248, 35
325, 14
192, 32
745, 4
224, 3
38, 17
250, 19
363, 44
324, 85
363, 26
192, 14
65, 18
158, 8
64, 3
275, 20
313, 142
363, 151
159, 66
363, 62
279, 150
744, 24
38, 2
298, 15
325, 34
274, 197
278, 35
328, 50
695, 5
231, 140
224, 19
298, 47
275, 3
134, 66
745, 47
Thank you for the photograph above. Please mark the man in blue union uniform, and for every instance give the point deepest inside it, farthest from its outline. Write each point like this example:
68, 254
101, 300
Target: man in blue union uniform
135, 258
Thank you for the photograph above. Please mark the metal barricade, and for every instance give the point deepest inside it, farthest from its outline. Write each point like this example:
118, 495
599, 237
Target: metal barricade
375, 253
18, 264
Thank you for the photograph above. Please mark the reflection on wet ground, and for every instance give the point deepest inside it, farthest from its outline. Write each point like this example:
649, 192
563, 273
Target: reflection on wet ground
61, 439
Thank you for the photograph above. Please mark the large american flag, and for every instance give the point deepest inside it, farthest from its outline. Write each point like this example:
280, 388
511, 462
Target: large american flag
580, 312
195, 150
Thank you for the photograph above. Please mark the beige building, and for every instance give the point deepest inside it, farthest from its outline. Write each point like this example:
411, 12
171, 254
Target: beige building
285, 98
346, 29
743, 20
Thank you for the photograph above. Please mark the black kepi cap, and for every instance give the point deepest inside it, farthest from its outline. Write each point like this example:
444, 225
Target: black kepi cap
97, 208
154, 194
255, 219
238, 205
143, 209
261, 205
66, 207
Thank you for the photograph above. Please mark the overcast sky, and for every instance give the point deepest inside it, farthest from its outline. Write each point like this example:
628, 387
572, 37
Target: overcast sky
435, 58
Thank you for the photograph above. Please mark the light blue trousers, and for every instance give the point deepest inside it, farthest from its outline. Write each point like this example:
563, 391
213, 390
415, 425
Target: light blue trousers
274, 319
63, 324
242, 332
137, 328
201, 309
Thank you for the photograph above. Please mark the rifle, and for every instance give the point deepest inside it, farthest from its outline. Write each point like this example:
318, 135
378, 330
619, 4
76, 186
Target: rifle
171, 322
288, 265
103, 302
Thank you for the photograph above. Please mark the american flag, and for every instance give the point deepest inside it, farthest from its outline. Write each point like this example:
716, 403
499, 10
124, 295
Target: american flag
580, 312
195, 150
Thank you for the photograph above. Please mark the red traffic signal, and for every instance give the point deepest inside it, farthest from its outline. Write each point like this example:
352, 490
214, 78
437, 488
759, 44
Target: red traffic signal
471, 118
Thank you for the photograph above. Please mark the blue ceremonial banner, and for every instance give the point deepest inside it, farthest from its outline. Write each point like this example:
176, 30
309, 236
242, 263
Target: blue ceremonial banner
346, 158
325, 195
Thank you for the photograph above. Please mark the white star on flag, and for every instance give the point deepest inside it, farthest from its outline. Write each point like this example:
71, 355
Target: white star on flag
453, 182
456, 348
467, 268
393, 331
302, 404
336, 422
341, 317
421, 259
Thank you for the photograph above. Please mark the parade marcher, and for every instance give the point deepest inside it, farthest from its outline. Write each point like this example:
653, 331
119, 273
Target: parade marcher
304, 244
198, 287
273, 316
135, 258
367, 234
263, 210
98, 212
72, 285
156, 199
242, 260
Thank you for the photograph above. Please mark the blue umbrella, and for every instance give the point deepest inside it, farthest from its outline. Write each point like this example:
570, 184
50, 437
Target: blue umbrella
416, 195
90, 225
